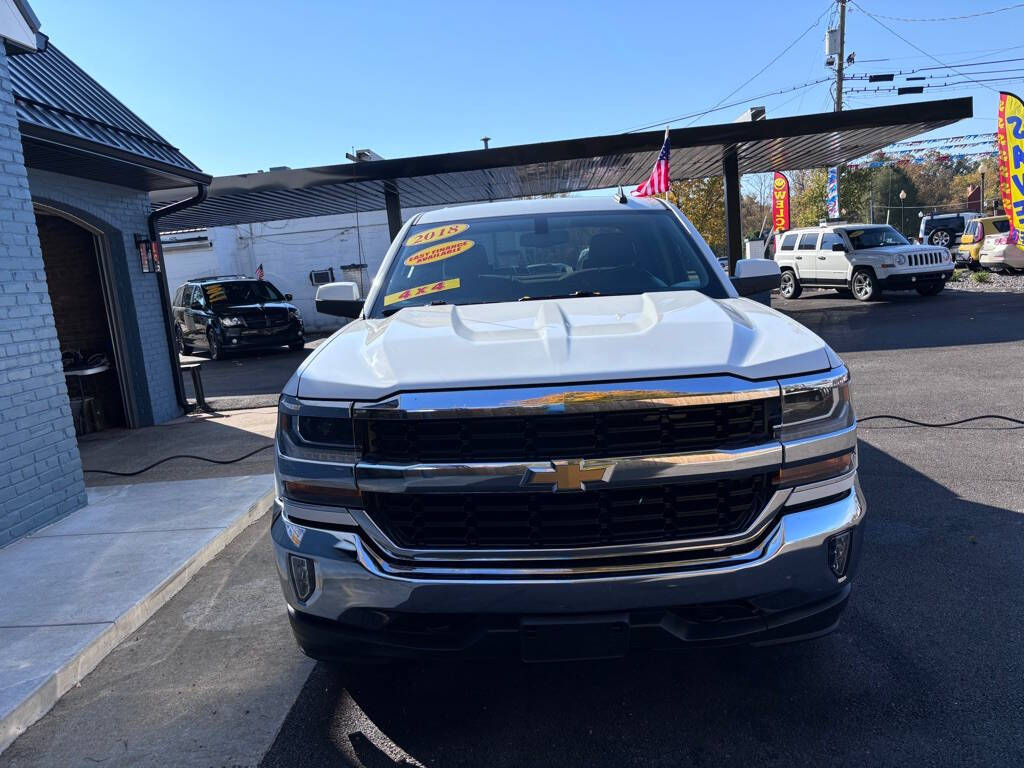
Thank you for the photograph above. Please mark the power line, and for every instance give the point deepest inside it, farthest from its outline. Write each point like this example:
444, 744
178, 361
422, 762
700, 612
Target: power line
960, 83
741, 85
720, 107
891, 31
952, 18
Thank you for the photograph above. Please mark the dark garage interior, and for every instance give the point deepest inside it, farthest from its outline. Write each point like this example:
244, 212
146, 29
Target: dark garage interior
80, 312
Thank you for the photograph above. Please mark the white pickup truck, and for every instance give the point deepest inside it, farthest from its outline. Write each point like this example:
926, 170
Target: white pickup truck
556, 431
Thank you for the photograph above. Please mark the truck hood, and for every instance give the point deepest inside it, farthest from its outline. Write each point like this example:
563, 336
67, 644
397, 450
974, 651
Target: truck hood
601, 338
890, 250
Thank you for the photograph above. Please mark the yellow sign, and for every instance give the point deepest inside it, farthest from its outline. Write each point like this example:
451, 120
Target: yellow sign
437, 233
421, 290
439, 252
1010, 141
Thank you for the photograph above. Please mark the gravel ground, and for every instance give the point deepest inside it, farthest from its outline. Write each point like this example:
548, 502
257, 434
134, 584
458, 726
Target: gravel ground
997, 283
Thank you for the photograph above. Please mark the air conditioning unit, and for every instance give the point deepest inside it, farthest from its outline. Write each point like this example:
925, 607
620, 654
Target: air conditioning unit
321, 276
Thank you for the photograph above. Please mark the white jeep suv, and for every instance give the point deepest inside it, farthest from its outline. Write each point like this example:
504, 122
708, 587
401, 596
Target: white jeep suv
862, 259
556, 430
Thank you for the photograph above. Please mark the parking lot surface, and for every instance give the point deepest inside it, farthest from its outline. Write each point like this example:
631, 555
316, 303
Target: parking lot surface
924, 670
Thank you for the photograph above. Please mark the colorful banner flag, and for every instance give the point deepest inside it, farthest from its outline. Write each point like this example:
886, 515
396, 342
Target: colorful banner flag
780, 203
1010, 143
832, 195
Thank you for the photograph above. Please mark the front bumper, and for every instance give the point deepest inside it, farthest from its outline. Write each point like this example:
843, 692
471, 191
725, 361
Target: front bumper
902, 281
782, 588
245, 338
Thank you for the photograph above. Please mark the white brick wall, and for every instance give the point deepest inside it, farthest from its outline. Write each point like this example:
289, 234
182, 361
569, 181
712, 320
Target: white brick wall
40, 469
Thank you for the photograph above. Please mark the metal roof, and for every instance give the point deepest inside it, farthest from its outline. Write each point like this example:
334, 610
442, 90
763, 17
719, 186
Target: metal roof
781, 144
71, 124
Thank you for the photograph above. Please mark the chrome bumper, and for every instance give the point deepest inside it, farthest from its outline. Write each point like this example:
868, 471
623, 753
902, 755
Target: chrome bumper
786, 568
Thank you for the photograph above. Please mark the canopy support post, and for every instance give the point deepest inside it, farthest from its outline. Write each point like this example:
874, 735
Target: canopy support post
733, 225
394, 208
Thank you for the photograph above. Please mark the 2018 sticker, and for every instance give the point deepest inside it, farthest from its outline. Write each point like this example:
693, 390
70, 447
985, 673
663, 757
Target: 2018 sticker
422, 290
439, 252
437, 233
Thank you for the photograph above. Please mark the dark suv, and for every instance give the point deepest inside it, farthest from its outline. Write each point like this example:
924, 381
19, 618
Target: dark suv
234, 312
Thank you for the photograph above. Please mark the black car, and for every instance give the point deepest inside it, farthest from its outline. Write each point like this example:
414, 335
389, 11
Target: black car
234, 312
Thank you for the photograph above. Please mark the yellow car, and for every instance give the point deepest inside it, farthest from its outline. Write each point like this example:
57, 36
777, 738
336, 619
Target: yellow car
975, 234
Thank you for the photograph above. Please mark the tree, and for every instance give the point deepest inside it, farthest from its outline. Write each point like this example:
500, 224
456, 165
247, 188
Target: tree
703, 201
808, 203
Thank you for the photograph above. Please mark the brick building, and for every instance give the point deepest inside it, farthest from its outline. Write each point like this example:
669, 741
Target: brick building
76, 167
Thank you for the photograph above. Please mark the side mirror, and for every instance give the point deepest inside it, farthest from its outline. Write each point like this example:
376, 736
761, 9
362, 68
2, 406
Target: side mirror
839, 247
287, 297
339, 299
755, 276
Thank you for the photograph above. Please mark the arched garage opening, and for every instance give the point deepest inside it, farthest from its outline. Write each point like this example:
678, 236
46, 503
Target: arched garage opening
85, 312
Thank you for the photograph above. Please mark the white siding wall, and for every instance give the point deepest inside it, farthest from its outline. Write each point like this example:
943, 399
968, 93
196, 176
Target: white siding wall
288, 250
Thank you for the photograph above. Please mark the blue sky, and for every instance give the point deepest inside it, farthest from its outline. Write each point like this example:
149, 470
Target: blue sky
245, 85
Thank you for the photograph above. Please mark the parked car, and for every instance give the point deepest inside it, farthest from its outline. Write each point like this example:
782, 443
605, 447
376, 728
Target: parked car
974, 236
859, 259
998, 254
945, 229
227, 312
618, 453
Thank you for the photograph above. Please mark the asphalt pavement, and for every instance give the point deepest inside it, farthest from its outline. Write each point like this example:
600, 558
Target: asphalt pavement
925, 669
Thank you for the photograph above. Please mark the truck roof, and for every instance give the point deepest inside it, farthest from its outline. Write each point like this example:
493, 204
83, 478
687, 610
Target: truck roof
545, 205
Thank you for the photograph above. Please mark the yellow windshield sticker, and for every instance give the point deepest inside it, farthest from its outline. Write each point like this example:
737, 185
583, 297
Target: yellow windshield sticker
437, 233
439, 252
215, 292
421, 290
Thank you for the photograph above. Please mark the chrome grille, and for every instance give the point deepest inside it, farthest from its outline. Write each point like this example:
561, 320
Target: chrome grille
598, 434
694, 509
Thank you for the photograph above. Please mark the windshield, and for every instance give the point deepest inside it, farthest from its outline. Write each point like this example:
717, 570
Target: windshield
874, 237
241, 292
557, 255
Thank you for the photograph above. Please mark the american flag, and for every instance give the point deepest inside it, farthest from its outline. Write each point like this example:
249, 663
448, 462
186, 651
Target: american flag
259, 271
658, 181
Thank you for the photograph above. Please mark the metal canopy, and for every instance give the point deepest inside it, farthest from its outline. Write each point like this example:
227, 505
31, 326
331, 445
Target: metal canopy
70, 124
789, 143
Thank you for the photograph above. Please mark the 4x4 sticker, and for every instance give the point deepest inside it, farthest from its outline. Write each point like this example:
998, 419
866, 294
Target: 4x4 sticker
437, 233
422, 290
439, 252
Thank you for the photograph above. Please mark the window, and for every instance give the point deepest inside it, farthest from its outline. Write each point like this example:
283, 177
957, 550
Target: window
545, 255
829, 239
196, 295
875, 237
1002, 226
808, 241
242, 292
788, 243
177, 296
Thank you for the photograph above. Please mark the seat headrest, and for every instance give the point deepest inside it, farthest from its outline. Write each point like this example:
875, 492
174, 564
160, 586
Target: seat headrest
609, 249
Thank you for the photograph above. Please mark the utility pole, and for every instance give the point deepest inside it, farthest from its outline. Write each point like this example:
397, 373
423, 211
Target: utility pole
841, 61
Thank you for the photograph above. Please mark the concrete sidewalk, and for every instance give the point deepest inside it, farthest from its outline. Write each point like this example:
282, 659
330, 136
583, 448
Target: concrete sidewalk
75, 589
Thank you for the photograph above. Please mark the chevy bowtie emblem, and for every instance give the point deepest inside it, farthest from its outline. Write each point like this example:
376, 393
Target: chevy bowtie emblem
566, 475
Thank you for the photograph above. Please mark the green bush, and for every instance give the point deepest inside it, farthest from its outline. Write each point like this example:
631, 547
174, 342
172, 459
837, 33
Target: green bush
958, 274
981, 276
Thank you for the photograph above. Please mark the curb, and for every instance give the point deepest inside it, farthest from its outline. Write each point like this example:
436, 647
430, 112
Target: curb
42, 700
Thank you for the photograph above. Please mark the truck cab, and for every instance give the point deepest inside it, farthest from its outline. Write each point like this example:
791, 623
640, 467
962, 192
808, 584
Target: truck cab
861, 260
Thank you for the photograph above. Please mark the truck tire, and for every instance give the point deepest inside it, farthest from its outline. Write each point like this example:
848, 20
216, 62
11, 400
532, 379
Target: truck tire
864, 285
941, 237
789, 286
179, 339
216, 351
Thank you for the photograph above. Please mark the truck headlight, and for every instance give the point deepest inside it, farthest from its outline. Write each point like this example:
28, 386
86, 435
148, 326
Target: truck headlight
321, 434
294, 314
901, 260
813, 406
231, 322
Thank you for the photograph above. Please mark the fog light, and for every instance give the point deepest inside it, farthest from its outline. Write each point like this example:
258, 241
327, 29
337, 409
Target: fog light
303, 576
839, 552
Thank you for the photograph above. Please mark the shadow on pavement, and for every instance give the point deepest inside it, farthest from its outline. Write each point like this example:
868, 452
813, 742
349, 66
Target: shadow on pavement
925, 669
905, 320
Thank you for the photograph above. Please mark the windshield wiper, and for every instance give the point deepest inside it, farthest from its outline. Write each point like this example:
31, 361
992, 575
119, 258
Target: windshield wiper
389, 312
573, 295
